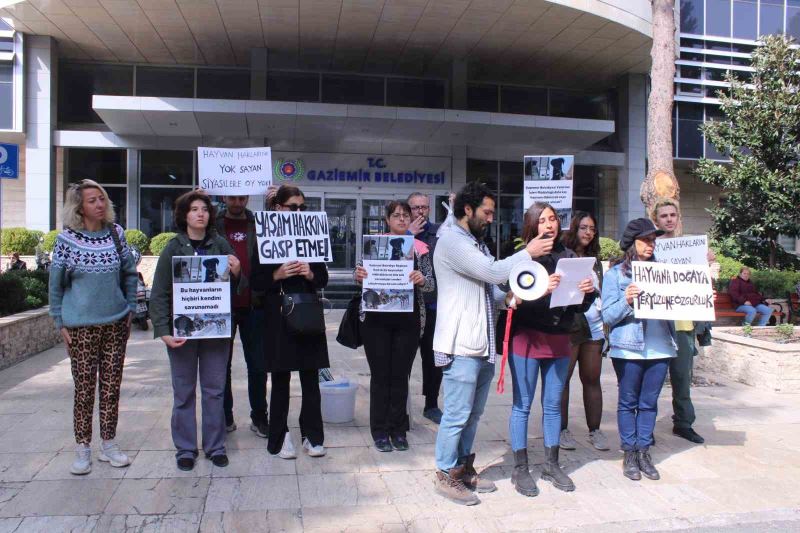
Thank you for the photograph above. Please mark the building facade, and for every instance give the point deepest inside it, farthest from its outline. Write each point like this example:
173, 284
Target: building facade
427, 94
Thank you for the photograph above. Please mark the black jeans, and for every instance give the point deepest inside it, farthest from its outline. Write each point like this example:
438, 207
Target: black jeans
251, 331
390, 353
680, 376
310, 411
431, 374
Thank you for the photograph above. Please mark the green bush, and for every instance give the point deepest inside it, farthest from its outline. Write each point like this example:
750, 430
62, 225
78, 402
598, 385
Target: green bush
137, 239
50, 240
729, 268
775, 283
19, 240
609, 249
13, 291
159, 242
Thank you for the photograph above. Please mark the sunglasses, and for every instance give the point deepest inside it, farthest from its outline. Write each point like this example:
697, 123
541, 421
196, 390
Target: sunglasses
295, 207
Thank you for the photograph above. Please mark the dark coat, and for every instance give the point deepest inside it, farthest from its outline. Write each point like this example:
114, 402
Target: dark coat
742, 291
285, 352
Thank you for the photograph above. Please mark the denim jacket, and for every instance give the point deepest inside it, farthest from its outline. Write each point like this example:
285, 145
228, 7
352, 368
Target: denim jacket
626, 332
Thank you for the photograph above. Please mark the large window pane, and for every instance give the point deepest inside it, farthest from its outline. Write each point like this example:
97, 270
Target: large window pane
771, 20
293, 87
509, 224
352, 90
119, 197
690, 111
578, 105
585, 181
692, 16
745, 19
415, 93
718, 21
78, 82
102, 166
6, 106
793, 18
511, 177
690, 141
156, 208
482, 97
223, 83
523, 100
483, 171
167, 82
166, 167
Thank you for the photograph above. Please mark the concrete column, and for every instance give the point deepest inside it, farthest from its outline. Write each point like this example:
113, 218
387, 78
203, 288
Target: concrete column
132, 167
459, 168
259, 60
458, 84
41, 92
632, 127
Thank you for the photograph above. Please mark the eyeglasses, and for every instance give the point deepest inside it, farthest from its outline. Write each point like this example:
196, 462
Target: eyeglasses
419, 207
400, 216
295, 207
588, 228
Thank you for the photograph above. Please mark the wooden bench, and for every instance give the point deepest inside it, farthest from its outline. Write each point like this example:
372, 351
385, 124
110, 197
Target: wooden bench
794, 307
724, 308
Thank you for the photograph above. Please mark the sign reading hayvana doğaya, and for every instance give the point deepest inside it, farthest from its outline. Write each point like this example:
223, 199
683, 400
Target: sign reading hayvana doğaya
234, 171
284, 236
673, 292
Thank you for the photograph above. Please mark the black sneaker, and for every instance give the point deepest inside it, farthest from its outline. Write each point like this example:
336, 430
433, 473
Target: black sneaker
434, 414
186, 464
220, 460
383, 445
688, 434
260, 428
399, 442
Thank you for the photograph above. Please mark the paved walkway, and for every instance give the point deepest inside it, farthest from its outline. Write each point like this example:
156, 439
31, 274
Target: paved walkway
743, 479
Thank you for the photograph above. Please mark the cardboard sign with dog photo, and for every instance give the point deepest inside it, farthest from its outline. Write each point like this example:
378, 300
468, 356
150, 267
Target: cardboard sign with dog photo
388, 260
201, 297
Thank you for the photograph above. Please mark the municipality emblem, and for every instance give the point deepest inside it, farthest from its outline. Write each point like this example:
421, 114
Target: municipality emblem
292, 169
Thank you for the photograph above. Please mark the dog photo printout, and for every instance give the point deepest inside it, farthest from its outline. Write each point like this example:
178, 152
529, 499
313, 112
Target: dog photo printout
389, 261
201, 297
548, 178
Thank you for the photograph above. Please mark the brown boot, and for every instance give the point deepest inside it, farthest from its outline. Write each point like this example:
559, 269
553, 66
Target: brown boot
472, 480
451, 486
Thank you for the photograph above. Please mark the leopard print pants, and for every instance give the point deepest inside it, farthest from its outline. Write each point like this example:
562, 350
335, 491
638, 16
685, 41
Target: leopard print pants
97, 350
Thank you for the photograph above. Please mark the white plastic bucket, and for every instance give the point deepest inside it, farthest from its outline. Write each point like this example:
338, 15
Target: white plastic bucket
338, 400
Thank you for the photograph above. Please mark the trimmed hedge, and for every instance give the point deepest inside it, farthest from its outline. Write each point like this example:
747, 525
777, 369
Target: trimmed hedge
137, 239
23, 290
609, 249
19, 240
50, 240
159, 242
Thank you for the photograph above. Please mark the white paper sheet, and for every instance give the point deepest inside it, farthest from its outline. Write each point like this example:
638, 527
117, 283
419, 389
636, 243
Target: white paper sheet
572, 271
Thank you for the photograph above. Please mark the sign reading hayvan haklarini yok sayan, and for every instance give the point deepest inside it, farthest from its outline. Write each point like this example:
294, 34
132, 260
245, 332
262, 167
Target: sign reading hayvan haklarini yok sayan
235, 171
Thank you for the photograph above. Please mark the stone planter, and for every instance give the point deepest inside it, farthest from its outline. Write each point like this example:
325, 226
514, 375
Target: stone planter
26, 334
756, 362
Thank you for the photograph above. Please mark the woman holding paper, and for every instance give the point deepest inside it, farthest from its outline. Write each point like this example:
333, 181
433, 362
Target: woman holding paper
640, 349
287, 351
391, 341
540, 344
587, 339
194, 216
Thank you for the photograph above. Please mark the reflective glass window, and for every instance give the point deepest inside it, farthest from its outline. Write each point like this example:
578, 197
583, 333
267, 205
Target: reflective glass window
363, 90
718, 19
692, 16
166, 167
156, 209
692, 56
523, 100
687, 111
166, 82
690, 140
745, 19
793, 18
579, 105
7, 44
482, 97
293, 86
106, 167
511, 177
77, 83
690, 72
223, 83
483, 171
771, 20
415, 93
6, 99
585, 181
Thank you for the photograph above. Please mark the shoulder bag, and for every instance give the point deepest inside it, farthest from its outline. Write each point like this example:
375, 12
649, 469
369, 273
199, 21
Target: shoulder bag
302, 313
349, 334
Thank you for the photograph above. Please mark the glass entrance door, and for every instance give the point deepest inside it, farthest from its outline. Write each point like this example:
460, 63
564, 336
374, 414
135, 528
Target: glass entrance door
342, 215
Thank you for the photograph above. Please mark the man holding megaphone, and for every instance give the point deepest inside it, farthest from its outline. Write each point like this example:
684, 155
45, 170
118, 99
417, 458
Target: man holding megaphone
464, 343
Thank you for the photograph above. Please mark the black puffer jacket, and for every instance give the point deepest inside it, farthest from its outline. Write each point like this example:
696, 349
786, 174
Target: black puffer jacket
537, 314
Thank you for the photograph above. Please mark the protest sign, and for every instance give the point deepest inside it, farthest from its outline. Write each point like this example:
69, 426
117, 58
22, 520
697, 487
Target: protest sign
234, 171
673, 292
573, 270
201, 297
689, 250
548, 178
389, 261
285, 236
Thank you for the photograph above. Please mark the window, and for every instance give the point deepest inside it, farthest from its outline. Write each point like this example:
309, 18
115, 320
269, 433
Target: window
77, 83
106, 167
166, 82
166, 167
718, 19
6, 97
523, 100
415, 93
692, 16
293, 86
165, 175
771, 20
793, 18
745, 19
482, 97
578, 105
223, 83
352, 90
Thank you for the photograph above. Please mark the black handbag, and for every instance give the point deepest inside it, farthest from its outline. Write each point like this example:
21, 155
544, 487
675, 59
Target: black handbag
302, 313
350, 329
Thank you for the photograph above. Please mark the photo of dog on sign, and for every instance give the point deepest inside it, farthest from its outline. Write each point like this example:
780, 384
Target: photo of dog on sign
200, 269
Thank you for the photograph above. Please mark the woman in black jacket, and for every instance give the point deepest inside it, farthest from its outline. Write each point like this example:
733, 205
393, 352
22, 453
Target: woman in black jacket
286, 353
540, 343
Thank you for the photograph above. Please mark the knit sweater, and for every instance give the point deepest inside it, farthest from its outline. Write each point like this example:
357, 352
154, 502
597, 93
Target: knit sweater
86, 287
461, 274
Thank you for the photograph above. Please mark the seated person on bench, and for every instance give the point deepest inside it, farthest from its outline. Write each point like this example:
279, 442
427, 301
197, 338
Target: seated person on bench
747, 299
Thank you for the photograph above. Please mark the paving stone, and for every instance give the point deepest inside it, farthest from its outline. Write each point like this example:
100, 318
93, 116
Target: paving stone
22, 466
253, 493
174, 523
49, 524
338, 460
360, 518
159, 496
71, 497
160, 464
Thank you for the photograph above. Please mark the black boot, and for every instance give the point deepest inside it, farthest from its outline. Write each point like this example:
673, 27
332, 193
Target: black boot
521, 476
646, 465
630, 466
551, 470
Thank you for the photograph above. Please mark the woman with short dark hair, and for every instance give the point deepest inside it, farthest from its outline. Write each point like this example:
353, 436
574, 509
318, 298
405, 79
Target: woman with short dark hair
194, 216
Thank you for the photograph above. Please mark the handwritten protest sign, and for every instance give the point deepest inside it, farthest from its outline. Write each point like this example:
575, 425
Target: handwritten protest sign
235, 171
548, 178
388, 260
201, 297
673, 292
292, 236
689, 250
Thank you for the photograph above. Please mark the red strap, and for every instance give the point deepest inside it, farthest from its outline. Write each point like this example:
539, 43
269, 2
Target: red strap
501, 380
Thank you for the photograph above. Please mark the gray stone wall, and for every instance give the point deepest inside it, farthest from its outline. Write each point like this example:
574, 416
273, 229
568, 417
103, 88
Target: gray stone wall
26, 334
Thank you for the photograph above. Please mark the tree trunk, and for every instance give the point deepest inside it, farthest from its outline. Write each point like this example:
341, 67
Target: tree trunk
660, 181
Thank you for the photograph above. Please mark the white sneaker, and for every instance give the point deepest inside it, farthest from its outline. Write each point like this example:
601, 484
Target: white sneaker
287, 450
110, 453
598, 439
83, 460
313, 451
567, 441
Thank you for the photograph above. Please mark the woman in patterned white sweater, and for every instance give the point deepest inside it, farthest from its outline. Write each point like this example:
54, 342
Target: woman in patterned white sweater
92, 296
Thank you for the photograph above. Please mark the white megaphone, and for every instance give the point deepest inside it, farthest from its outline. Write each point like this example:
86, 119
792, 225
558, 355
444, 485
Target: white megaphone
528, 280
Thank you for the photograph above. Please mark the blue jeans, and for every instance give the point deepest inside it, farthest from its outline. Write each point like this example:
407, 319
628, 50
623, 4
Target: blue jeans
750, 313
525, 372
640, 382
466, 382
